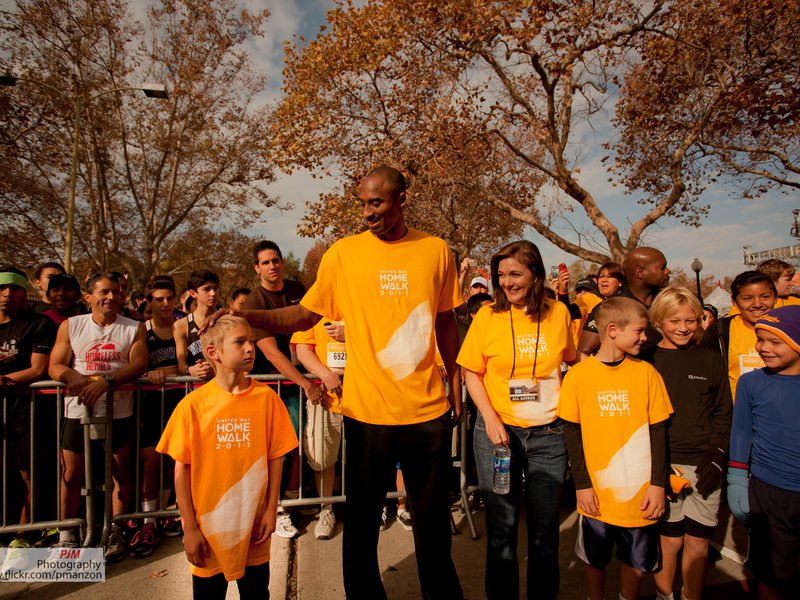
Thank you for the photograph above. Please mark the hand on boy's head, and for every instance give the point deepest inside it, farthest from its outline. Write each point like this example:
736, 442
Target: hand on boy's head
653, 502
588, 501
214, 317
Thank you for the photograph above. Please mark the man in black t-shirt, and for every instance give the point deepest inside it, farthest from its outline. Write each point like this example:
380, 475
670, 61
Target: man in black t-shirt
274, 353
647, 274
26, 339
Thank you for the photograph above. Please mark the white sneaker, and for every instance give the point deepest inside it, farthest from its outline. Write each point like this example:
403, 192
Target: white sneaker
323, 530
384, 520
284, 527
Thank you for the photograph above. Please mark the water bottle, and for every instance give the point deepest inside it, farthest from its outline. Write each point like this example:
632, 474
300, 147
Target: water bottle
501, 483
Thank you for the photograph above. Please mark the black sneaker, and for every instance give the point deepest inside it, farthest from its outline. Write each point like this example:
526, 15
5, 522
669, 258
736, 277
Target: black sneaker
144, 542
116, 548
171, 526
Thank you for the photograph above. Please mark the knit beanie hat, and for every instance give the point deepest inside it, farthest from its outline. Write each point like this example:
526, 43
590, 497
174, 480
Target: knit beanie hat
783, 322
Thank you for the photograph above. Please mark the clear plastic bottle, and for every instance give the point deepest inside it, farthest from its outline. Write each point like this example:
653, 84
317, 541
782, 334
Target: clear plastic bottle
501, 483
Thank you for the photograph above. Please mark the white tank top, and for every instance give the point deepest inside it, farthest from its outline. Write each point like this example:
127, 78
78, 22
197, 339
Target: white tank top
101, 351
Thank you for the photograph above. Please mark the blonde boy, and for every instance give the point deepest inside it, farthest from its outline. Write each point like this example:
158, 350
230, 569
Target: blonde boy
615, 409
227, 439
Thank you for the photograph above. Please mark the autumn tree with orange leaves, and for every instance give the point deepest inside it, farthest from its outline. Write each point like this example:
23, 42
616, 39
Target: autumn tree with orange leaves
491, 107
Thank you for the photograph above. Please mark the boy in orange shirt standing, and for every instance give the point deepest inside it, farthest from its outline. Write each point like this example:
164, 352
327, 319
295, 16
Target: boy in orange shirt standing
227, 439
615, 409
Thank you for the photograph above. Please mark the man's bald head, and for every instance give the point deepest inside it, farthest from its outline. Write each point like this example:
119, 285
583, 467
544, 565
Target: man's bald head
393, 178
646, 267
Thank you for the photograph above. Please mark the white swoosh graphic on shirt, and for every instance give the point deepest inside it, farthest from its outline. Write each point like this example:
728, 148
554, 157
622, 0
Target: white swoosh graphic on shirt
231, 520
629, 468
409, 344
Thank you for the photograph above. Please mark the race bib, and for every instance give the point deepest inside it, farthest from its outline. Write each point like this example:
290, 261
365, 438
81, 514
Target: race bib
749, 362
337, 355
523, 390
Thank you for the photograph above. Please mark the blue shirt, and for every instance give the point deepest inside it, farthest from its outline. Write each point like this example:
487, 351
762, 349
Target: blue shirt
766, 427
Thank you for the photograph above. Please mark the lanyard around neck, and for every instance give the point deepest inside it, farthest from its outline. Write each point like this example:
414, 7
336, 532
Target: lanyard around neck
514, 344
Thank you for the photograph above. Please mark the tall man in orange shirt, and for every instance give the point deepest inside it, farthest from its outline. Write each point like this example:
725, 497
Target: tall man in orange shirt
396, 289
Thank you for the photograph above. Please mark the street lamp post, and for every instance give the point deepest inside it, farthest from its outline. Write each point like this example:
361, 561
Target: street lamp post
151, 90
697, 266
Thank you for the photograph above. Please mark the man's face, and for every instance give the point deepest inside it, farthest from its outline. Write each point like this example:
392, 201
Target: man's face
105, 298
655, 271
63, 297
382, 208
162, 304
12, 299
478, 289
269, 267
44, 278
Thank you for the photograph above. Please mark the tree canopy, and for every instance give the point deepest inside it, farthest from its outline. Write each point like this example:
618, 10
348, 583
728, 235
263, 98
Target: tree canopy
490, 107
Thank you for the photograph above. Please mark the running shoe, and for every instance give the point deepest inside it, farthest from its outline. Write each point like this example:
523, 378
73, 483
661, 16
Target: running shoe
171, 526
19, 542
144, 542
65, 544
284, 527
116, 548
324, 527
49, 537
404, 518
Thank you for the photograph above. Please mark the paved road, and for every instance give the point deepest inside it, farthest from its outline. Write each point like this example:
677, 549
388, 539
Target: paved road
309, 569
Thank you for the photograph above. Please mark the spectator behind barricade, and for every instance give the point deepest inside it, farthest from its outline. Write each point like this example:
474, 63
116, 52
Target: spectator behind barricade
95, 353
41, 279
615, 408
124, 309
239, 297
228, 439
325, 357
697, 382
734, 337
512, 360
26, 339
63, 292
203, 287
274, 356
645, 273
396, 289
162, 362
764, 467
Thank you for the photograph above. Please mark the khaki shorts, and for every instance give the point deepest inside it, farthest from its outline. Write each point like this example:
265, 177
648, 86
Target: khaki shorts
691, 504
323, 437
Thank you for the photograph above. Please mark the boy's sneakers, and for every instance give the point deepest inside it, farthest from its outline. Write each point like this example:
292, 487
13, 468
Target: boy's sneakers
19, 542
384, 520
49, 537
404, 518
284, 527
144, 542
171, 526
116, 548
323, 530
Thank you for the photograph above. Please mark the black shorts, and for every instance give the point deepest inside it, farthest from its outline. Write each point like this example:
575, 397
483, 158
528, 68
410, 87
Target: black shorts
72, 434
687, 526
150, 428
637, 547
774, 554
19, 438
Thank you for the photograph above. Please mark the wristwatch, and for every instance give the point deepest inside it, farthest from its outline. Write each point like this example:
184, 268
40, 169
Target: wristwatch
109, 380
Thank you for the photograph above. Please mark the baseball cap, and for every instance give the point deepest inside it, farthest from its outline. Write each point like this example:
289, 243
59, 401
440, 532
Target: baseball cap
479, 281
587, 283
64, 280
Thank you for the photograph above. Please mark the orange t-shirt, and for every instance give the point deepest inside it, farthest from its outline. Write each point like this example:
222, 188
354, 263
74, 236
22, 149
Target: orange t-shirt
228, 440
615, 406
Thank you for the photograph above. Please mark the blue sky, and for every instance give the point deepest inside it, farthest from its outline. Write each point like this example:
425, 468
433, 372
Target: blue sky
732, 223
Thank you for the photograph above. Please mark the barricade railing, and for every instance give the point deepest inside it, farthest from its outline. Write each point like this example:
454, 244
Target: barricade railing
51, 393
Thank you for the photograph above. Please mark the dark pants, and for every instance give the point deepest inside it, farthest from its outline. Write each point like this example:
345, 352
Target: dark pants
372, 453
253, 585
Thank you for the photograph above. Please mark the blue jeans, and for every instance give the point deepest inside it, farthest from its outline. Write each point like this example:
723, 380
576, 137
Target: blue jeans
539, 455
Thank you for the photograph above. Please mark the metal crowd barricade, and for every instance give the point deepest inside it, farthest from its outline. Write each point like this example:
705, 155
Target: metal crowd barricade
42, 397
49, 396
